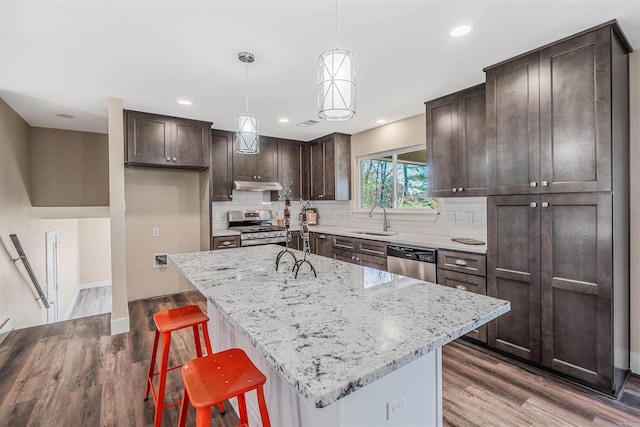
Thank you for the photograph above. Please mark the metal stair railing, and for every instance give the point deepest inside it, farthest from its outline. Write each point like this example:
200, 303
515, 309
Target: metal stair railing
27, 266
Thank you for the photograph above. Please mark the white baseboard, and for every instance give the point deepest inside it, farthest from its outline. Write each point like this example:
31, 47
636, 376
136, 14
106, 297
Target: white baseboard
95, 284
80, 287
6, 326
119, 326
635, 362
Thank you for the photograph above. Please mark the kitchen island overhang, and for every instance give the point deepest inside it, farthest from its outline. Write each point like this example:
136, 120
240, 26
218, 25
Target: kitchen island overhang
330, 336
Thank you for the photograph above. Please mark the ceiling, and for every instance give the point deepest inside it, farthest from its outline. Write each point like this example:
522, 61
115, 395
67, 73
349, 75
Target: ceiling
68, 57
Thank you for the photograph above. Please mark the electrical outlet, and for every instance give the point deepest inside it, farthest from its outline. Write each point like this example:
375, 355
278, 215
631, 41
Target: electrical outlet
464, 217
397, 405
155, 232
161, 260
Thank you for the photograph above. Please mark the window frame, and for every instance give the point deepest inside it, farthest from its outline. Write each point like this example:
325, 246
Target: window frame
394, 156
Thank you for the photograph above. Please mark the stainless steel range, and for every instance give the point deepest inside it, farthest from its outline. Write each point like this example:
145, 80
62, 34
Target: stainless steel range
256, 227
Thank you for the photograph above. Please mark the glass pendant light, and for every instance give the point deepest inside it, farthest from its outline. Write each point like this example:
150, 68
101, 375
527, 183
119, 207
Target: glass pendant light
336, 83
247, 140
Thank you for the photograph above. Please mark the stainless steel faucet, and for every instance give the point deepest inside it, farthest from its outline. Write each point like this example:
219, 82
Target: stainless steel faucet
385, 223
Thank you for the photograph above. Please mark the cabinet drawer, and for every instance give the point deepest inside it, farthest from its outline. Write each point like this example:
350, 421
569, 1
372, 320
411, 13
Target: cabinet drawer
372, 261
345, 255
463, 262
226, 242
475, 284
339, 242
372, 247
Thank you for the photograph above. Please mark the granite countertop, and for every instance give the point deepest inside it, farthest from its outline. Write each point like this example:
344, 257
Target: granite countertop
421, 240
331, 335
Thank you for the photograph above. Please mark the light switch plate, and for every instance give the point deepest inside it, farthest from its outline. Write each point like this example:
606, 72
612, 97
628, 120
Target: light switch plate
155, 232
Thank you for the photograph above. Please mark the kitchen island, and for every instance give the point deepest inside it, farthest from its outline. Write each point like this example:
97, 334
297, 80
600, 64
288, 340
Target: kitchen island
354, 346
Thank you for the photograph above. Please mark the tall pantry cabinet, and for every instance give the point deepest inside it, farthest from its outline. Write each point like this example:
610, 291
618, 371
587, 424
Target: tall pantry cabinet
558, 210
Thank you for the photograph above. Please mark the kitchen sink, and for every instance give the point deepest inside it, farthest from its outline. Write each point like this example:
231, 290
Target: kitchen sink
374, 233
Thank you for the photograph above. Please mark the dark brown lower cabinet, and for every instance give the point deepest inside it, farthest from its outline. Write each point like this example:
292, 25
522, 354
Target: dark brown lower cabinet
470, 283
551, 256
321, 244
368, 253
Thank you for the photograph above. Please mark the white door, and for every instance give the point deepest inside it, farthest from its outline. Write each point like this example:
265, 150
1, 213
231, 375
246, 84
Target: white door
51, 290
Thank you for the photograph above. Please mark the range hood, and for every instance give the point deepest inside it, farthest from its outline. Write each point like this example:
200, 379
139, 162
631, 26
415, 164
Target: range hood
256, 186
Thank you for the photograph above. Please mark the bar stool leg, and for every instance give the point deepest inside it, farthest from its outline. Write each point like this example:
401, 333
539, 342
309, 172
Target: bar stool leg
196, 338
203, 417
162, 382
152, 364
242, 405
184, 408
262, 404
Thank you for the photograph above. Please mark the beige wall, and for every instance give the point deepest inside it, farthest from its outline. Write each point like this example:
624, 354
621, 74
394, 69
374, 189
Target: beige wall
169, 200
95, 250
17, 299
634, 104
69, 168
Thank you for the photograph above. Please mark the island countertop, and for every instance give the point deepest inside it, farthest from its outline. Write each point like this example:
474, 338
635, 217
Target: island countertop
331, 335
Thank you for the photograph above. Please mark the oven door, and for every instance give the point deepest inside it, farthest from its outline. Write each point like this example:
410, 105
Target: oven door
265, 241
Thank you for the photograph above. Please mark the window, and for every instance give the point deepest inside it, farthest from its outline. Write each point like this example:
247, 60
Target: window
396, 179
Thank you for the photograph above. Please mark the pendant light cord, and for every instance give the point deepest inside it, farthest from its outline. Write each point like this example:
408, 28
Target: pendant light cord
246, 86
336, 24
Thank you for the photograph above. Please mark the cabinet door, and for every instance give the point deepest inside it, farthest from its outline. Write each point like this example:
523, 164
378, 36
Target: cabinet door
442, 146
148, 139
513, 140
316, 166
344, 255
329, 152
244, 166
472, 125
191, 142
575, 114
221, 183
577, 286
296, 241
266, 162
372, 261
323, 244
513, 273
466, 282
290, 167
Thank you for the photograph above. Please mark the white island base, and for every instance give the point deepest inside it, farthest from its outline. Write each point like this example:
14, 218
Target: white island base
408, 396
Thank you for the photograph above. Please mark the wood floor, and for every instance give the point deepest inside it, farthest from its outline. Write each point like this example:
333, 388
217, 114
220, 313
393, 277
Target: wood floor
92, 301
74, 373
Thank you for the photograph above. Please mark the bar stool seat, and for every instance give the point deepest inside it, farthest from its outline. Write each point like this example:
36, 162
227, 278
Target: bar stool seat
218, 377
166, 322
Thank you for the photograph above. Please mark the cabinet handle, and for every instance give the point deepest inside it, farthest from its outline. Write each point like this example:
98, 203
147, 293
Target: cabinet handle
321, 196
357, 259
461, 288
544, 183
321, 236
259, 177
545, 204
461, 262
533, 184
168, 159
174, 159
231, 196
353, 258
226, 243
533, 204
454, 189
461, 189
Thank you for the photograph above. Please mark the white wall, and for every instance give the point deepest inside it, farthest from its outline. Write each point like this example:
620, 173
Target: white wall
634, 104
94, 244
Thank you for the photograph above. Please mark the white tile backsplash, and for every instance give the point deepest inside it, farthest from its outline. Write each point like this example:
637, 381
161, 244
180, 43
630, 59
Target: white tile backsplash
469, 217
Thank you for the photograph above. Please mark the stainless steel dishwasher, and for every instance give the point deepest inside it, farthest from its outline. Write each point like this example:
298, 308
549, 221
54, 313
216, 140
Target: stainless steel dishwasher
419, 263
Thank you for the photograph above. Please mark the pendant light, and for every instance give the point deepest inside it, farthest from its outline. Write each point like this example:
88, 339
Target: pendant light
247, 140
336, 83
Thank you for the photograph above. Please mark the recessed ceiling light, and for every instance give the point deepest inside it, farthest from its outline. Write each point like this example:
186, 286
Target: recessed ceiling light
283, 120
184, 102
460, 31
380, 121
65, 116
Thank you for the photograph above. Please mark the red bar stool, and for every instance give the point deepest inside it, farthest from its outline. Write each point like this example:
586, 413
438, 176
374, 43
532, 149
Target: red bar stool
166, 322
218, 377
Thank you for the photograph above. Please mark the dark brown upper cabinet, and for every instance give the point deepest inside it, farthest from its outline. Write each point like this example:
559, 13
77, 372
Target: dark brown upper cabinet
257, 167
221, 171
329, 170
168, 142
290, 157
456, 144
550, 116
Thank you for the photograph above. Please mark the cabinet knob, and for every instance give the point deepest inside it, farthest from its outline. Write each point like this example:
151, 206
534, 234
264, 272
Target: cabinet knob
321, 196
545, 204
461, 288
461, 189
454, 189
168, 159
174, 159
533, 204
533, 184
231, 196
259, 177
321, 236
357, 259
544, 183
353, 258
461, 262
